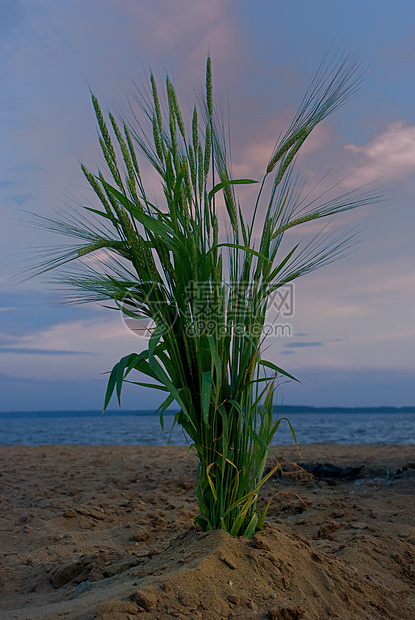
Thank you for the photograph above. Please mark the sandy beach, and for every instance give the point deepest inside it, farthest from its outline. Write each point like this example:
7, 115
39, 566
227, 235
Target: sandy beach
107, 533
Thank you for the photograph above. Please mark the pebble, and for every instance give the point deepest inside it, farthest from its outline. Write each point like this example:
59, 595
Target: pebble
92, 512
337, 514
359, 526
81, 587
234, 599
70, 514
145, 598
227, 561
141, 535
167, 587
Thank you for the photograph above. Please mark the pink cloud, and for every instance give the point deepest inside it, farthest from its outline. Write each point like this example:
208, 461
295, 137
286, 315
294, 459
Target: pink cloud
389, 155
184, 29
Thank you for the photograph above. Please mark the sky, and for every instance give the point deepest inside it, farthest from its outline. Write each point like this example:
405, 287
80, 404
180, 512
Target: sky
350, 338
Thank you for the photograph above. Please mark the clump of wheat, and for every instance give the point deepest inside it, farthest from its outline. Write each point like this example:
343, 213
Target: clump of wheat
168, 264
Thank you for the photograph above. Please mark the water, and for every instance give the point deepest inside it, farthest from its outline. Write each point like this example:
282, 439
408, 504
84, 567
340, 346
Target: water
341, 428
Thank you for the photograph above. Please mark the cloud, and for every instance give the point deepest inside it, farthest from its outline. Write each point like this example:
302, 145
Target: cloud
301, 345
98, 342
21, 199
253, 141
42, 351
390, 154
4, 184
208, 27
181, 16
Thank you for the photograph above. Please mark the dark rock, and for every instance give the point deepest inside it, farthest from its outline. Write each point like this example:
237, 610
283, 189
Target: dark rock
81, 587
327, 471
287, 613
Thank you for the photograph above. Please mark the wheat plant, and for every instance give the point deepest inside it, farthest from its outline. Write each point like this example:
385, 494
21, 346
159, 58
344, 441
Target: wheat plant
198, 268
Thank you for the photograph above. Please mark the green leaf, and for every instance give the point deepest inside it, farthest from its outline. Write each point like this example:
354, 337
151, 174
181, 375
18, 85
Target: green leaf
161, 375
149, 223
144, 367
278, 369
220, 186
262, 516
246, 249
282, 264
205, 396
257, 439
252, 525
101, 213
116, 378
212, 486
292, 431
154, 386
163, 408
216, 361
237, 524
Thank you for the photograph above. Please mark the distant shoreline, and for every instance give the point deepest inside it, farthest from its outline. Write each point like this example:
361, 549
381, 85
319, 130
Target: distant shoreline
281, 410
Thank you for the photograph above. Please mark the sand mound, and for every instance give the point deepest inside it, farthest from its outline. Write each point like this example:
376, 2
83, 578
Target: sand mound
277, 576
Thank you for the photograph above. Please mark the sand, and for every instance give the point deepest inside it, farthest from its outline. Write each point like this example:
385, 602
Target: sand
107, 533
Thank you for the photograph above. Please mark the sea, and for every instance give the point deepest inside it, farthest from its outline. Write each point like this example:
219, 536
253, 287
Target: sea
381, 425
